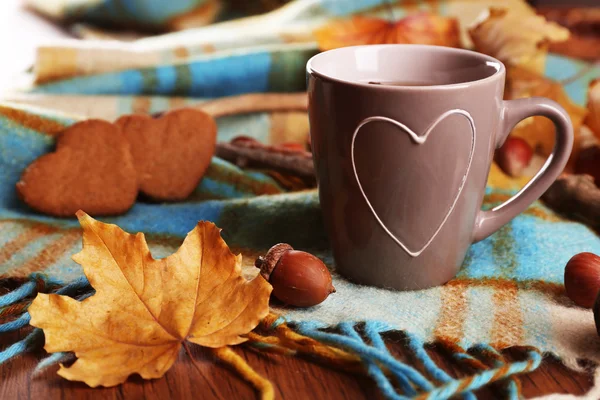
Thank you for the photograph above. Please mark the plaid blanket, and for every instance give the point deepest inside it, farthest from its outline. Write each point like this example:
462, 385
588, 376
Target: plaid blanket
509, 291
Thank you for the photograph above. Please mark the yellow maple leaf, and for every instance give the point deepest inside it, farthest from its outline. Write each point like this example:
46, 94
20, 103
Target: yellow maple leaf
144, 309
421, 28
517, 37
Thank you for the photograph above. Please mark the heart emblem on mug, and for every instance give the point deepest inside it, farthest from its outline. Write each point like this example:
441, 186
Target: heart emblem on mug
419, 140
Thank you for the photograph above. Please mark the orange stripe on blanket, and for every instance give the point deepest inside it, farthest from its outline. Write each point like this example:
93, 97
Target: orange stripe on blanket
31, 121
453, 313
507, 326
30, 234
288, 127
48, 255
507, 329
181, 53
141, 105
176, 102
549, 288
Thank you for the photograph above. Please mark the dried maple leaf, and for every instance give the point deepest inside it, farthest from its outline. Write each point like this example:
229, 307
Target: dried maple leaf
421, 28
144, 309
517, 38
593, 106
539, 131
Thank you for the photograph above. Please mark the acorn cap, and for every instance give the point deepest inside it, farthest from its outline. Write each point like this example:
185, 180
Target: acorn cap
269, 261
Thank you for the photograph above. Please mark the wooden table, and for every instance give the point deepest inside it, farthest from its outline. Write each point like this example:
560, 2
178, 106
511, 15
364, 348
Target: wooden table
293, 378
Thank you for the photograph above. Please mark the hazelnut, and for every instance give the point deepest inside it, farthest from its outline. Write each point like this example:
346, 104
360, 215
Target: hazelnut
298, 278
582, 279
514, 156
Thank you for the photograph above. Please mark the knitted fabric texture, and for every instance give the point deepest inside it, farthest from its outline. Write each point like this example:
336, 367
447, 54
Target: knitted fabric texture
508, 293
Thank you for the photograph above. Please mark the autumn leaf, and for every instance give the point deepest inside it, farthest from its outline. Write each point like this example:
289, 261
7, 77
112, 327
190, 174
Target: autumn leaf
145, 309
539, 131
593, 106
421, 28
517, 37
468, 11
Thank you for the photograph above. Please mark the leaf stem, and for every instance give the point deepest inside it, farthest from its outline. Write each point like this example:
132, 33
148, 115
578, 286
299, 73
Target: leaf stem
189, 353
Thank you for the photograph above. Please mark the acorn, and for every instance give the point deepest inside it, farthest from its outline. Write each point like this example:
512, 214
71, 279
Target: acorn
298, 278
582, 279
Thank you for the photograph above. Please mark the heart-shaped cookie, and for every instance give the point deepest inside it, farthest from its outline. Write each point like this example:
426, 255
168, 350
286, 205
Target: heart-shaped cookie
445, 208
91, 170
172, 152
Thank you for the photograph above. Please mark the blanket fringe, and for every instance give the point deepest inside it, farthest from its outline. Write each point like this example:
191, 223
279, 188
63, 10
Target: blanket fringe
512, 389
355, 348
264, 386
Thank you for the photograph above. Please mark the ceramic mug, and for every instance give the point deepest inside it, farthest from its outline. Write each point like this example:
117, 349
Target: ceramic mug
403, 137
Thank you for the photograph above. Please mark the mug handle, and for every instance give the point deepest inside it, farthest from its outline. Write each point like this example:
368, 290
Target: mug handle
513, 111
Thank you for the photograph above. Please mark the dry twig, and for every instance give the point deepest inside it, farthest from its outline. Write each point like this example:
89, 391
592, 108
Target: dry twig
247, 152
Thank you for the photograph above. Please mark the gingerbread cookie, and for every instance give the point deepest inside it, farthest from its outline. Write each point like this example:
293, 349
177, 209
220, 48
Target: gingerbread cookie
92, 169
172, 152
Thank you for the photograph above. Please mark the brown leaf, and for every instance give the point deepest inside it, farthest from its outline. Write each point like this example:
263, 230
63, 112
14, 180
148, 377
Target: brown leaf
143, 308
468, 11
539, 131
422, 28
517, 37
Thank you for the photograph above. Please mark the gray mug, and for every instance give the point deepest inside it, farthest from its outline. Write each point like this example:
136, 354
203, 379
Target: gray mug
403, 137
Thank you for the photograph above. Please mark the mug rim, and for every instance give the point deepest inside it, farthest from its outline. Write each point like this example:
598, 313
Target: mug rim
489, 60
